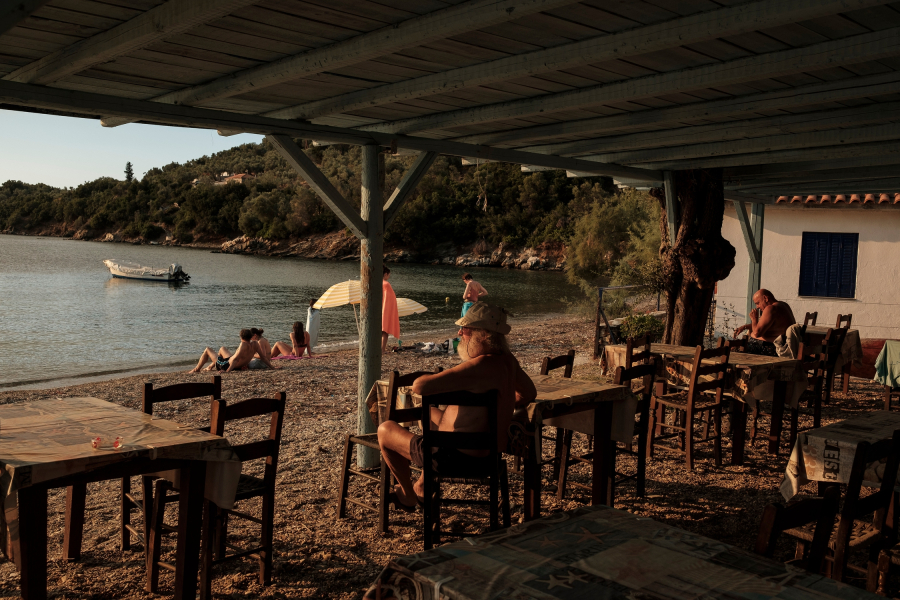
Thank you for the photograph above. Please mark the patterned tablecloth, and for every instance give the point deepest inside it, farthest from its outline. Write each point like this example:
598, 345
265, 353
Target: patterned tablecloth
851, 350
754, 375
597, 553
827, 453
552, 393
44, 440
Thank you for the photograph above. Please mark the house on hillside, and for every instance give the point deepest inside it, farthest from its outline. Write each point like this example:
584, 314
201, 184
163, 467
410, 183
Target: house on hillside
236, 178
829, 254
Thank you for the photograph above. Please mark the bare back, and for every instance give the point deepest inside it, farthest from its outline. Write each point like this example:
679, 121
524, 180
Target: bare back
243, 355
474, 291
774, 321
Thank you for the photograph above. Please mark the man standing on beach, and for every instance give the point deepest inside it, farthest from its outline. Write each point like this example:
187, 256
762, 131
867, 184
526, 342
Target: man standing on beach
487, 365
474, 292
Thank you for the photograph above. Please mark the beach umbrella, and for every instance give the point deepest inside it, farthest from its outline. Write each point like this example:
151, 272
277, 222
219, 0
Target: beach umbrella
345, 292
406, 307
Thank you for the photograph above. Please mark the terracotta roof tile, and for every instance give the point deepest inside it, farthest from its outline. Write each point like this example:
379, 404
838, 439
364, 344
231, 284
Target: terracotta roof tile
854, 199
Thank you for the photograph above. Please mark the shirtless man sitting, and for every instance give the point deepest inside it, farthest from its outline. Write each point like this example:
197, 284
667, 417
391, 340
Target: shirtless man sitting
243, 357
487, 365
473, 293
768, 322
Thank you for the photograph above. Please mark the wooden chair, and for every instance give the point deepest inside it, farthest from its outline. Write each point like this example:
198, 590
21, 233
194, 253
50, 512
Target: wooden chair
249, 487
843, 322
379, 475
818, 511
567, 363
646, 372
862, 522
686, 404
815, 365
489, 471
810, 319
831, 345
76, 495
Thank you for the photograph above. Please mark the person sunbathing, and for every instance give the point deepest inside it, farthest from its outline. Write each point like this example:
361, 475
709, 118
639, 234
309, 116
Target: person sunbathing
299, 343
487, 364
243, 357
263, 342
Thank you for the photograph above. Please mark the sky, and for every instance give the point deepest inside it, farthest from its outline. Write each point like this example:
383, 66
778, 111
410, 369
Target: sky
67, 151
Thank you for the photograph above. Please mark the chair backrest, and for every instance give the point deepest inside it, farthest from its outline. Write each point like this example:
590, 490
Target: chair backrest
810, 318
267, 448
843, 321
397, 381
855, 507
181, 391
712, 374
646, 371
736, 345
832, 344
566, 361
778, 518
642, 342
482, 440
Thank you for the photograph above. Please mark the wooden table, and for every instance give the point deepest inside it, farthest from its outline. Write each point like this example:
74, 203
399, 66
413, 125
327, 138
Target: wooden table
598, 553
47, 444
559, 397
755, 378
837, 442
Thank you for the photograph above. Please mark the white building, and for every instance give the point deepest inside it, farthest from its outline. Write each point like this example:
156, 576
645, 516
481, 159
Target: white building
821, 257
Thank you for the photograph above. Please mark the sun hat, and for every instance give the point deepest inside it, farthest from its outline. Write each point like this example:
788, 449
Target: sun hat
484, 316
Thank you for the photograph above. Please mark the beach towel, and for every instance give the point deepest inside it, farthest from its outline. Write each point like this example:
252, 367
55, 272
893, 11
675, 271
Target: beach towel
312, 326
390, 317
887, 365
292, 357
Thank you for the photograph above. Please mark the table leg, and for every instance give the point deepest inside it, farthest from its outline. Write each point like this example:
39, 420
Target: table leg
738, 431
32, 549
531, 473
190, 520
604, 472
74, 527
778, 400
845, 379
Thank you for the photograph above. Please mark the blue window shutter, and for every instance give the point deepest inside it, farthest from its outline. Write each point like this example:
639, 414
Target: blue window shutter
828, 264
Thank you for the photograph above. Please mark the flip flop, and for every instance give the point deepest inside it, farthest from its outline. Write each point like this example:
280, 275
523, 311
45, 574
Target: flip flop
393, 499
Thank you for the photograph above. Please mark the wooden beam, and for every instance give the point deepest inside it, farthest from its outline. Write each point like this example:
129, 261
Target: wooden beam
406, 186
169, 18
13, 13
748, 198
671, 205
849, 50
862, 153
812, 180
371, 254
867, 186
681, 31
732, 130
93, 105
319, 183
754, 276
859, 135
800, 176
752, 104
744, 220
792, 167
454, 20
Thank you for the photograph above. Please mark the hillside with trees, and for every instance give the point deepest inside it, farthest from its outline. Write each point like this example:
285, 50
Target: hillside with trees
608, 233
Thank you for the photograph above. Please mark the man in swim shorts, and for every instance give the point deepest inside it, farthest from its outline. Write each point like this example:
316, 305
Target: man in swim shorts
243, 357
487, 365
474, 292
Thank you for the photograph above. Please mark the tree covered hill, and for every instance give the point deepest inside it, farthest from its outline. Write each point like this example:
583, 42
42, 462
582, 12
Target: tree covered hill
494, 202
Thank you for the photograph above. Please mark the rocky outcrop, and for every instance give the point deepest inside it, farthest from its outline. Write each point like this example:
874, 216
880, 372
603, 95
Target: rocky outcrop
547, 257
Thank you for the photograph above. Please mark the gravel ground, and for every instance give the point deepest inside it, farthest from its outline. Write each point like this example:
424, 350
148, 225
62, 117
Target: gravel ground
318, 556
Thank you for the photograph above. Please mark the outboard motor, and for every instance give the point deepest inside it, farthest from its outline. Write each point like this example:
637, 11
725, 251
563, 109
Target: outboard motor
178, 274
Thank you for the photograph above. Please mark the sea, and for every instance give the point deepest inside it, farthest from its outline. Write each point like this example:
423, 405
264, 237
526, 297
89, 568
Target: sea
64, 320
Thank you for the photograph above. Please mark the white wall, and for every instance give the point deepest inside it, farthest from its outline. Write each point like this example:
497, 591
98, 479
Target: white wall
876, 308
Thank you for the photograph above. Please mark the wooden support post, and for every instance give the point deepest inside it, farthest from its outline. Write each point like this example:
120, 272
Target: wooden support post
754, 278
371, 261
671, 206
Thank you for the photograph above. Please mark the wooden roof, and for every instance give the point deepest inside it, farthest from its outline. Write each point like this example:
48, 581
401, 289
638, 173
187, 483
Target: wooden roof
790, 97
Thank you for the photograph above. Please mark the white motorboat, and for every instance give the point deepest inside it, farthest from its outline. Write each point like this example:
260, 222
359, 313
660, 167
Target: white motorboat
128, 270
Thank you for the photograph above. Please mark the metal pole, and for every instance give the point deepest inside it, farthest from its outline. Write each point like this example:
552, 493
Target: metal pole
754, 277
371, 260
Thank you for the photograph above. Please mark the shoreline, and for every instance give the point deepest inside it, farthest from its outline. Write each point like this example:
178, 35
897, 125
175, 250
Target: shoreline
87, 378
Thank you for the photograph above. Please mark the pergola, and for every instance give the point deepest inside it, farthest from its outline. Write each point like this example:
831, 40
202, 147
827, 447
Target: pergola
787, 97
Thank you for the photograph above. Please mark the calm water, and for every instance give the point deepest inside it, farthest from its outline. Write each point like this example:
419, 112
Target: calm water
64, 317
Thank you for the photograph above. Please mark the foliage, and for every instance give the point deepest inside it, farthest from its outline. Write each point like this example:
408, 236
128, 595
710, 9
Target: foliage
129, 172
454, 203
638, 325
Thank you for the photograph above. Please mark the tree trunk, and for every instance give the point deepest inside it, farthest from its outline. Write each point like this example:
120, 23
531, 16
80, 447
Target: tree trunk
698, 257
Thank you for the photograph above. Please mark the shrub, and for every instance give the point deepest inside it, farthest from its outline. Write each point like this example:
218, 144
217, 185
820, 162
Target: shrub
638, 325
152, 232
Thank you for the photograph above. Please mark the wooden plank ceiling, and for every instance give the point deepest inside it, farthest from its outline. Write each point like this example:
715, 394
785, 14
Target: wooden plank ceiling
790, 98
